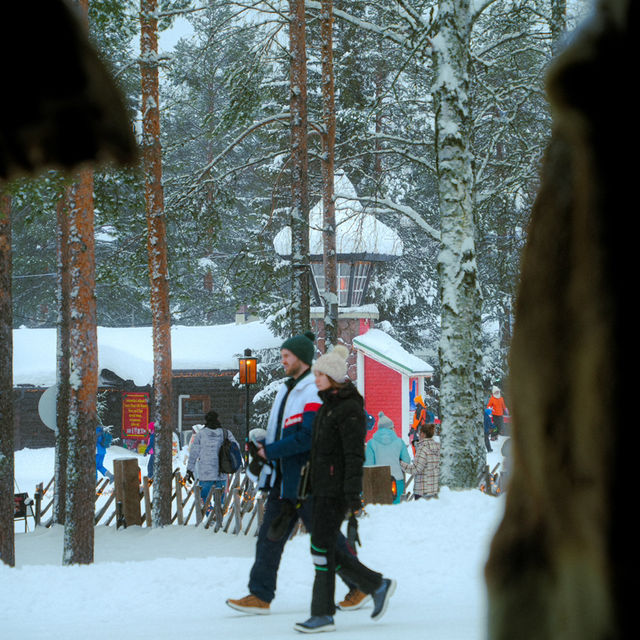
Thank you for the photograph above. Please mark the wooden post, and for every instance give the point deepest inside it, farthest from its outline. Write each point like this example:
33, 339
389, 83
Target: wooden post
147, 500
104, 509
216, 513
127, 489
178, 482
38, 499
190, 494
237, 506
376, 485
197, 500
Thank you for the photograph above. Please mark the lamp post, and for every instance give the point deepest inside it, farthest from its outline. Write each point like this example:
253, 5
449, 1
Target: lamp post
248, 370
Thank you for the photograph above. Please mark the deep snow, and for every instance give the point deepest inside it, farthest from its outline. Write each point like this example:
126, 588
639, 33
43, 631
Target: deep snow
173, 582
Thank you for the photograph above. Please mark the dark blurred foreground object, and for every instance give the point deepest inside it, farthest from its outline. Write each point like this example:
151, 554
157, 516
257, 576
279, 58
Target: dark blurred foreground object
561, 561
60, 107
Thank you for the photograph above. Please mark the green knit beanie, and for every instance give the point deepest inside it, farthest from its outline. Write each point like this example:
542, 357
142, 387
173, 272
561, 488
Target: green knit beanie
302, 346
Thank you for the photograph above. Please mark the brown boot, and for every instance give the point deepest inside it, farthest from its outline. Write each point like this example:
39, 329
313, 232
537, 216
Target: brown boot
250, 604
355, 599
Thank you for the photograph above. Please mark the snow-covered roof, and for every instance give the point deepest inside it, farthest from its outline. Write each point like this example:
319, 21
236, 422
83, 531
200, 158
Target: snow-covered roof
380, 346
128, 351
357, 233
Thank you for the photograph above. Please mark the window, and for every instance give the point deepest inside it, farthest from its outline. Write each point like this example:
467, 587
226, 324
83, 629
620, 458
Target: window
360, 279
194, 409
352, 281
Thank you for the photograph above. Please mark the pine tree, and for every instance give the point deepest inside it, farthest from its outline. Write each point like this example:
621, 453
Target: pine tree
299, 222
83, 375
83, 368
63, 356
158, 265
329, 257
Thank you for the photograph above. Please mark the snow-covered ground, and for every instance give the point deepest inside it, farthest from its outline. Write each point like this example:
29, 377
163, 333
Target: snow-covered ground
173, 582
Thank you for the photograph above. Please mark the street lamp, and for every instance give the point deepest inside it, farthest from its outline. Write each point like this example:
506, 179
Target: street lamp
248, 370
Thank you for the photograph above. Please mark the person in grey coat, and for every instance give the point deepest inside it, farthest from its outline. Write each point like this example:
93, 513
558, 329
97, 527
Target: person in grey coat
204, 452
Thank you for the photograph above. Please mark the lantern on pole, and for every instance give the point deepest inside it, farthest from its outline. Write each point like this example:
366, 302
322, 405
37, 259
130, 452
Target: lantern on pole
248, 370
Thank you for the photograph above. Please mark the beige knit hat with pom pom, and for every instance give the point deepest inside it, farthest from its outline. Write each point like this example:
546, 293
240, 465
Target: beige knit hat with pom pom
333, 364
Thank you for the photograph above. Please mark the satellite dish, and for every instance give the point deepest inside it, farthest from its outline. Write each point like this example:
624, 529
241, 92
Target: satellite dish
47, 407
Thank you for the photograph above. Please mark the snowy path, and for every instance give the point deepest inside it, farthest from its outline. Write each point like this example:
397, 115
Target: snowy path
435, 550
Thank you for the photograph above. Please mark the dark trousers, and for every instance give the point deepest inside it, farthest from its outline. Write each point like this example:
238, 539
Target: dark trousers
498, 423
264, 573
329, 556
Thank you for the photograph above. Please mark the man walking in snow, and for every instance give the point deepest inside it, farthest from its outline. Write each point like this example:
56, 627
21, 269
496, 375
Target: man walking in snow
282, 455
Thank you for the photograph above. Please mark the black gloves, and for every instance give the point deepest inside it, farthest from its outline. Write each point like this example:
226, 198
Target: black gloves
256, 462
189, 479
352, 532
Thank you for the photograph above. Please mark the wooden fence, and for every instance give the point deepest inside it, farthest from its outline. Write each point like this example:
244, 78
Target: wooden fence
239, 510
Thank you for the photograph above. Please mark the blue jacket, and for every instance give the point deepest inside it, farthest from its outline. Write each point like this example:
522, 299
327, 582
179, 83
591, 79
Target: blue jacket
101, 435
488, 422
386, 448
289, 432
100, 448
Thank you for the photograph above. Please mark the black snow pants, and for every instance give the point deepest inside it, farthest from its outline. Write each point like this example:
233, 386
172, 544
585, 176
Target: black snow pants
327, 516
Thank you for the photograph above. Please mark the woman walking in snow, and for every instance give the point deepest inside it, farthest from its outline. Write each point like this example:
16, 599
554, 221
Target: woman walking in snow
336, 483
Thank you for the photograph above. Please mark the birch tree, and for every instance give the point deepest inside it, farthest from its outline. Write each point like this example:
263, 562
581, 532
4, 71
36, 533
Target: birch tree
7, 542
158, 263
461, 387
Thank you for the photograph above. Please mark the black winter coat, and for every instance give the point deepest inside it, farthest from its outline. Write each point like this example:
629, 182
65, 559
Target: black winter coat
337, 450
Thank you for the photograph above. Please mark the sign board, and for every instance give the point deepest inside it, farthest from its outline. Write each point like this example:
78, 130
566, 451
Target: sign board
135, 414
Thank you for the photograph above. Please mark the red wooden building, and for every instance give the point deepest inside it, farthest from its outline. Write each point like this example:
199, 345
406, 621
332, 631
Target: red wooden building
389, 377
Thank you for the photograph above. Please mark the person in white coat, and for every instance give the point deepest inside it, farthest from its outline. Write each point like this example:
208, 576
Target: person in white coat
204, 452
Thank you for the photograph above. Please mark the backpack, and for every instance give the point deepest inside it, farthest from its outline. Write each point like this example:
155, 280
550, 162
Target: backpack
229, 456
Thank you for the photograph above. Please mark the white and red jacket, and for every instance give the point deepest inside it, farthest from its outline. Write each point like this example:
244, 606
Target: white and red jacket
289, 429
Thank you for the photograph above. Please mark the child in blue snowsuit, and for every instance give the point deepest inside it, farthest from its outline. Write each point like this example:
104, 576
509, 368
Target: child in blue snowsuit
150, 450
103, 440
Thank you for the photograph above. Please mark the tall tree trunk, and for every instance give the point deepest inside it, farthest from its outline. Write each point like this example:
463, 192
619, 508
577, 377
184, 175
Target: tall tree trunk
7, 543
329, 256
300, 319
158, 264
83, 368
63, 293
463, 453
83, 376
